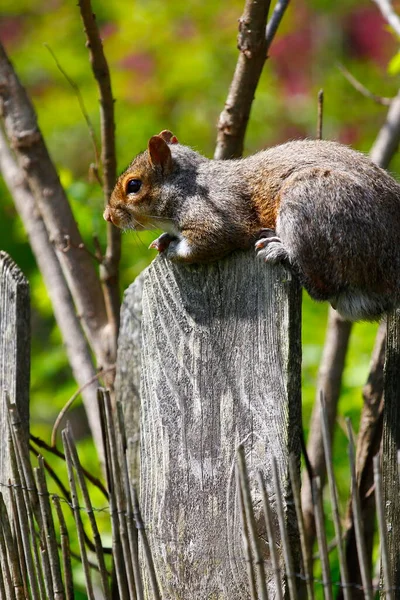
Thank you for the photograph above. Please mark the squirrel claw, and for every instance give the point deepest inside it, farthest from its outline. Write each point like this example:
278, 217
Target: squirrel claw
270, 248
162, 242
263, 242
265, 237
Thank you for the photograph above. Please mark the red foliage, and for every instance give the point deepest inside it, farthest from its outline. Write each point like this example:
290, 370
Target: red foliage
292, 54
367, 36
141, 63
11, 29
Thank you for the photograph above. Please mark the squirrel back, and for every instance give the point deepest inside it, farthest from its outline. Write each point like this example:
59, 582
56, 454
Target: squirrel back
331, 214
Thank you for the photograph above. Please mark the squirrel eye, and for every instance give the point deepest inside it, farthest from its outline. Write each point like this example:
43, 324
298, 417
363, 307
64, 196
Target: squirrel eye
133, 186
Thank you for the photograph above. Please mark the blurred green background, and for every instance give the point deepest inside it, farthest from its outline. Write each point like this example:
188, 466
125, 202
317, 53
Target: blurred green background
171, 65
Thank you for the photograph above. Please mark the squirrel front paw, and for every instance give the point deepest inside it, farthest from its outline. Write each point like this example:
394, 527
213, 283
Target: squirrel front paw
162, 242
173, 247
269, 247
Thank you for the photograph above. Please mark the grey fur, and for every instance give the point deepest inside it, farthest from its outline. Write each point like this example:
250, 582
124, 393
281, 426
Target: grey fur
338, 220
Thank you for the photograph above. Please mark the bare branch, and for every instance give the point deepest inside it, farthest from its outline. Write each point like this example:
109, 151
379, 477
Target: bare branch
76, 345
362, 89
372, 409
359, 524
81, 103
274, 22
368, 444
388, 138
329, 383
26, 139
252, 45
386, 8
109, 269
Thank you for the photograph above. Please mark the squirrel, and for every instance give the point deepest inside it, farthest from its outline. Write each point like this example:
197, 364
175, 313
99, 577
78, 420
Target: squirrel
319, 207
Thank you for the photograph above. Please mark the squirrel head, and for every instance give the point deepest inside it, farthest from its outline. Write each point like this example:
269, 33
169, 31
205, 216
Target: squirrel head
136, 196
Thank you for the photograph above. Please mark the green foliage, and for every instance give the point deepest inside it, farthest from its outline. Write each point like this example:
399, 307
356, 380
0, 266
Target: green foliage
171, 65
394, 65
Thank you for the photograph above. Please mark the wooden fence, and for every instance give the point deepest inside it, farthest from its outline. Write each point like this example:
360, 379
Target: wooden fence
220, 366
213, 353
15, 333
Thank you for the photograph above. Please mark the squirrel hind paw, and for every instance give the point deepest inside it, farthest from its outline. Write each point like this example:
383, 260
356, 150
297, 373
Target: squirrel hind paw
271, 249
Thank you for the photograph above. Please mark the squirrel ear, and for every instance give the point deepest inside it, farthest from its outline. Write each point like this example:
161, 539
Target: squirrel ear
159, 153
168, 136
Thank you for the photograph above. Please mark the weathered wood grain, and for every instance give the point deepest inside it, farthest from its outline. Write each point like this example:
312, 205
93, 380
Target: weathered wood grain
15, 337
220, 366
391, 446
127, 379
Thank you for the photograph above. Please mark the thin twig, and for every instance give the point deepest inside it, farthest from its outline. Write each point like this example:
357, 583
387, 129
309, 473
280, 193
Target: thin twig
67, 498
49, 534
271, 538
12, 552
44, 446
18, 538
146, 546
78, 520
130, 523
357, 85
117, 552
287, 553
246, 539
81, 103
119, 493
27, 530
251, 522
358, 526
22, 455
101, 72
382, 525
89, 511
57, 480
94, 566
320, 114
321, 537
23, 503
307, 560
75, 395
398, 464
327, 443
329, 381
368, 444
5, 572
65, 550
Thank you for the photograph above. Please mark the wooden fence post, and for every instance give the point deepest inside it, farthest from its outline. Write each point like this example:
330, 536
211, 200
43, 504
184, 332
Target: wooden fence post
391, 446
220, 365
15, 336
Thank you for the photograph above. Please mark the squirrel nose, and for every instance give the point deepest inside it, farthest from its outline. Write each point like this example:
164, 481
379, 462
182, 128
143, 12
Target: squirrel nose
107, 214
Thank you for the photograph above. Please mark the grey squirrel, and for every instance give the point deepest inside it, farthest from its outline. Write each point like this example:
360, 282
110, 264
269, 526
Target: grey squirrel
320, 207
